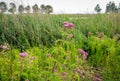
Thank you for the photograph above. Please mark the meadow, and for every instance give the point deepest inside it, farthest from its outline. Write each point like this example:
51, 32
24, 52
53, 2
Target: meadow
63, 47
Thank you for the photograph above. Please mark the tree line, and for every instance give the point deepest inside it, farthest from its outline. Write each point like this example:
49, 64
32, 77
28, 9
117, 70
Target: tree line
47, 9
111, 7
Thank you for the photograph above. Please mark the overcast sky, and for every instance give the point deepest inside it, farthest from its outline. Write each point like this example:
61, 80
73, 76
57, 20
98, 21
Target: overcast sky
67, 6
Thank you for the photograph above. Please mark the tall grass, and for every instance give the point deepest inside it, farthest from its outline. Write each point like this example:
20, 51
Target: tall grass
35, 29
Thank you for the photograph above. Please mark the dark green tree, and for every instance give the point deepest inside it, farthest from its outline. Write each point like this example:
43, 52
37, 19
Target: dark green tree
35, 8
119, 8
12, 8
42, 8
107, 8
116, 9
21, 9
48, 9
28, 9
111, 8
3, 7
97, 8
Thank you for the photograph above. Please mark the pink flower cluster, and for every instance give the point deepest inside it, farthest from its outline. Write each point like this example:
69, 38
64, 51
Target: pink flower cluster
23, 54
68, 25
48, 55
85, 54
64, 74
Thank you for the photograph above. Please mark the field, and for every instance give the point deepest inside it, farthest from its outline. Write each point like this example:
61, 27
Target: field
41, 47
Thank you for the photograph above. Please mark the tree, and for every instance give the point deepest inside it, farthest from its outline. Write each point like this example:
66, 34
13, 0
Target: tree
111, 7
27, 8
119, 8
114, 8
3, 7
48, 9
21, 9
35, 8
42, 8
12, 8
107, 8
97, 8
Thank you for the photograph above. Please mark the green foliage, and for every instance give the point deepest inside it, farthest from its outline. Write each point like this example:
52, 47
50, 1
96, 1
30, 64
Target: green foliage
42, 8
97, 8
111, 7
35, 8
48, 9
12, 8
3, 7
28, 9
21, 9
53, 50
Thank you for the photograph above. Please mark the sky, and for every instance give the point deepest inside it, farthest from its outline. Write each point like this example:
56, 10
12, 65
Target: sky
67, 6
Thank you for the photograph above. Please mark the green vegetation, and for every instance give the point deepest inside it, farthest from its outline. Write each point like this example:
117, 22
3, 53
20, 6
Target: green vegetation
97, 8
53, 49
112, 7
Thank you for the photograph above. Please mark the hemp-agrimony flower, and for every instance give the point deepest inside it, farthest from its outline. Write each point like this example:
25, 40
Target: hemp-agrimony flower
85, 54
23, 54
68, 25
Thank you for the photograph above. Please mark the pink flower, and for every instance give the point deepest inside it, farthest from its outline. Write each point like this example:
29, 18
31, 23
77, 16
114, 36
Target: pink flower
54, 71
85, 57
27, 80
85, 54
82, 52
23, 54
64, 74
48, 55
68, 25
97, 79
71, 25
